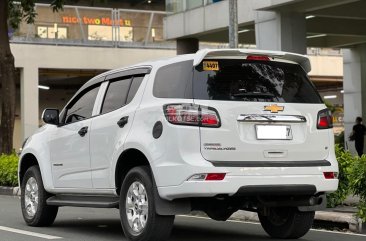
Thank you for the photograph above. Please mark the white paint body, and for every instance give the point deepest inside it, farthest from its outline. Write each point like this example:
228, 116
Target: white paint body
89, 162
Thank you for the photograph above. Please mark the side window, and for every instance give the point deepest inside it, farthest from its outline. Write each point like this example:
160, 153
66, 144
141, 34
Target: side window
174, 81
136, 82
82, 107
116, 95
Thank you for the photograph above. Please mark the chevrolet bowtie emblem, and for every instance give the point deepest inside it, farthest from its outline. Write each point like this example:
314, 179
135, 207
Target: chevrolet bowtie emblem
273, 108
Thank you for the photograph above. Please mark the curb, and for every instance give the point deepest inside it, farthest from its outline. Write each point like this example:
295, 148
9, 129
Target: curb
10, 191
354, 224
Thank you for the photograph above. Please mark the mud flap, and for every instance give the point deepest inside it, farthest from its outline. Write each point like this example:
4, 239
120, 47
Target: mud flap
164, 207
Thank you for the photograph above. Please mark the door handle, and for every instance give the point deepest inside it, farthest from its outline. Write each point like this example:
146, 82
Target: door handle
82, 132
122, 122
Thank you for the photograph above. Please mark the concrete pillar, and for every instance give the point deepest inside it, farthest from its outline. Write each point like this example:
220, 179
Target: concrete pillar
354, 85
280, 31
29, 100
187, 46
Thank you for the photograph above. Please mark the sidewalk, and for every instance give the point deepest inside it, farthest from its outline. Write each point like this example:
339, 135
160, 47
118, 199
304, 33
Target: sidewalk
340, 218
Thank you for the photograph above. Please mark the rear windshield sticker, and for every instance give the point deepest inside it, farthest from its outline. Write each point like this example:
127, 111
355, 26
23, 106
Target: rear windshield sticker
210, 65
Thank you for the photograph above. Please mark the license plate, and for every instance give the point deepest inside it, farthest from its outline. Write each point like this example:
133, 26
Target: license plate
273, 132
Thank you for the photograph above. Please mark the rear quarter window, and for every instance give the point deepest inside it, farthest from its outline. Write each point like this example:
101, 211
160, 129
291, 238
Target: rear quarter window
174, 81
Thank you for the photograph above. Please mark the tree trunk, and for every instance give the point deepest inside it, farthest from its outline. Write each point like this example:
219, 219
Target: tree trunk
7, 79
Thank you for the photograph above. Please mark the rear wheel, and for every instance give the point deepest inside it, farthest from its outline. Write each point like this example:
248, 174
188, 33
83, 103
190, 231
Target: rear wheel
139, 219
35, 210
286, 222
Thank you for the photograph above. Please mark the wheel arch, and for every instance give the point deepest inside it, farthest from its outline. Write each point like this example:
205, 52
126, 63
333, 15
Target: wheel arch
131, 158
128, 159
26, 161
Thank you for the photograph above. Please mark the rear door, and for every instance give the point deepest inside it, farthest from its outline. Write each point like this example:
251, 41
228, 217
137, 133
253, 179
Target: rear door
110, 128
268, 112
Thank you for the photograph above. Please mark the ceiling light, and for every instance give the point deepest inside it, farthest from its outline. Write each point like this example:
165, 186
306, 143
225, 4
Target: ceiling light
330, 97
342, 91
244, 31
43, 87
310, 16
149, 1
316, 36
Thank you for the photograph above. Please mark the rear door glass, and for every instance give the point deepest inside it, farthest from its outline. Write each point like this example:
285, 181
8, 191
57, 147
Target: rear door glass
116, 95
256, 81
135, 85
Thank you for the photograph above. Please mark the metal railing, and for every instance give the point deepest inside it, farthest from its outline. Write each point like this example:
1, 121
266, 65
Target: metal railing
92, 26
176, 6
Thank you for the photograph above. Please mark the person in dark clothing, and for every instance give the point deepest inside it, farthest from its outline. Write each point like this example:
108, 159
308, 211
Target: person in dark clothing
359, 131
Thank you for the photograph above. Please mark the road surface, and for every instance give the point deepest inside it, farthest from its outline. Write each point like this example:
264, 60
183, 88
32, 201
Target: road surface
86, 224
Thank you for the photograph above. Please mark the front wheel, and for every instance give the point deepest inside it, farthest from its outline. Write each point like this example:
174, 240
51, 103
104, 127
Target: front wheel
35, 210
286, 222
139, 219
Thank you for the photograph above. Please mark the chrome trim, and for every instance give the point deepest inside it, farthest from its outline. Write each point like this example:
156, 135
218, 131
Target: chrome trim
271, 118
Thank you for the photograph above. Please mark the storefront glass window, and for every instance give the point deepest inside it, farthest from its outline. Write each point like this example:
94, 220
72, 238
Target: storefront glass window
51, 32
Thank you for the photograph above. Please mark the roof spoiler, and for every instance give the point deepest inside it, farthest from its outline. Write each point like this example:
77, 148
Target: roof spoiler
212, 53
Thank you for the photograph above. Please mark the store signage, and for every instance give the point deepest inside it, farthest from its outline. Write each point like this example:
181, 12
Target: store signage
96, 21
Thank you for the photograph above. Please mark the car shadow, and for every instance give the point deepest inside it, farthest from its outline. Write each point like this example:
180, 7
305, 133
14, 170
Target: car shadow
110, 229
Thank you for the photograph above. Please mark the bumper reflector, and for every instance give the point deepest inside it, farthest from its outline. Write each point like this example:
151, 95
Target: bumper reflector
330, 175
207, 177
215, 176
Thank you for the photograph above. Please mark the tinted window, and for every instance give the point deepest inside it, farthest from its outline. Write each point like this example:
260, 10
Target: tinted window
244, 80
82, 107
174, 81
136, 82
116, 95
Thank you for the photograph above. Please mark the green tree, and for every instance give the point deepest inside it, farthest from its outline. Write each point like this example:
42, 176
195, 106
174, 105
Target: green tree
11, 14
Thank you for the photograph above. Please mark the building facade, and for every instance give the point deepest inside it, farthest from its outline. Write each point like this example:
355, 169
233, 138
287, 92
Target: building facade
287, 25
63, 50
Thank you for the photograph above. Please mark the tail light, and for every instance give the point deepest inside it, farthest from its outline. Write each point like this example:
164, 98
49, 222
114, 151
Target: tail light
325, 119
192, 115
258, 57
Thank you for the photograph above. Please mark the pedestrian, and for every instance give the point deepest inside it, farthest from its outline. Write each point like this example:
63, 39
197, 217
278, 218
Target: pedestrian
357, 135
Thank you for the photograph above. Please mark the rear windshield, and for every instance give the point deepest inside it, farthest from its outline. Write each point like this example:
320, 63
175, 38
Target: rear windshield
257, 81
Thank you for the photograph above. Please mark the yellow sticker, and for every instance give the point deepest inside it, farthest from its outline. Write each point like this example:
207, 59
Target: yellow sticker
210, 65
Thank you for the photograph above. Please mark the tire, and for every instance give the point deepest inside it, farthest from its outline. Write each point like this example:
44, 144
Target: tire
31, 189
150, 226
286, 222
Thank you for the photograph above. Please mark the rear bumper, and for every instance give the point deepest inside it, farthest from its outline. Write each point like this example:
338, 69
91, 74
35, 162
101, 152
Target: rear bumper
320, 163
246, 185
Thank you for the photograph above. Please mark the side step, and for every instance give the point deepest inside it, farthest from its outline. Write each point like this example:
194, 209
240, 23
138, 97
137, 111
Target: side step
84, 201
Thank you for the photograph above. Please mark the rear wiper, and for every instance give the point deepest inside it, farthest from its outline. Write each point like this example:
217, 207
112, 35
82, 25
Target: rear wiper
254, 95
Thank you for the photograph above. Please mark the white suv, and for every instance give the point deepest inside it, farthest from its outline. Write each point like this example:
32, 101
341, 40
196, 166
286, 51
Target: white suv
216, 131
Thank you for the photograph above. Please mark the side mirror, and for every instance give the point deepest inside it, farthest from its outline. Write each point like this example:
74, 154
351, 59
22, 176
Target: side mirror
50, 116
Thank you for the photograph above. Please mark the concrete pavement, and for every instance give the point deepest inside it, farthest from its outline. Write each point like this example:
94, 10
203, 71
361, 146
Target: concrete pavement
81, 224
